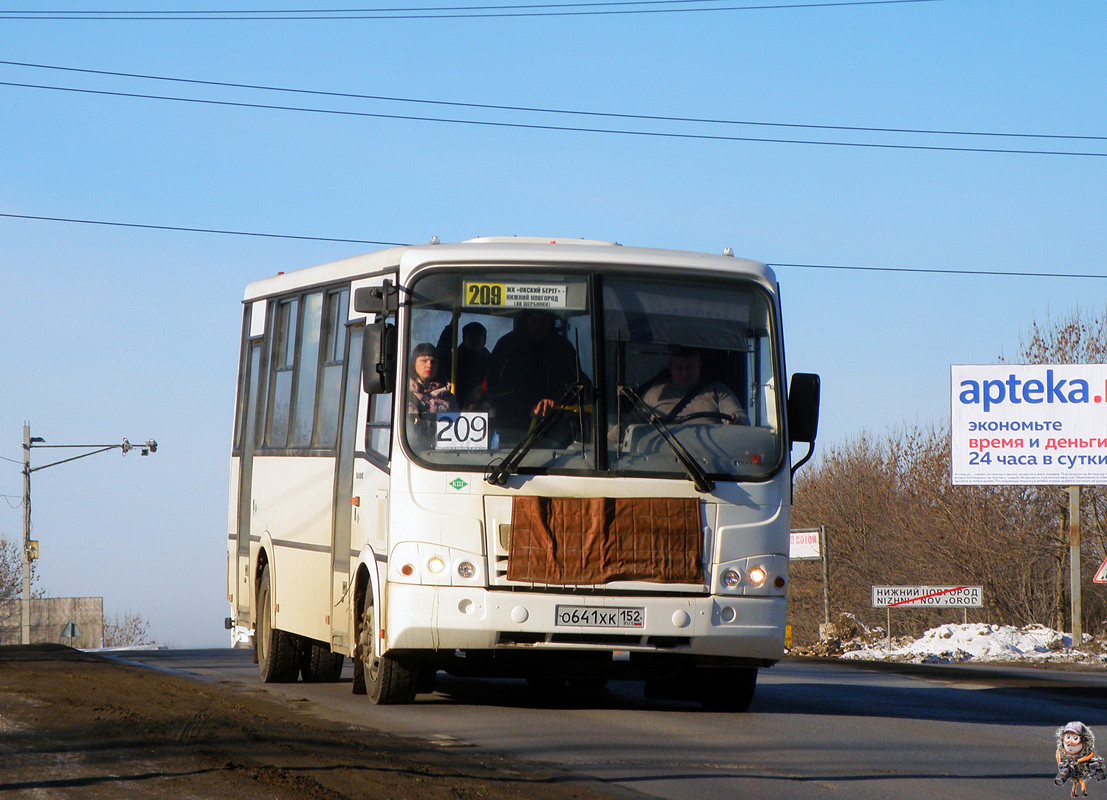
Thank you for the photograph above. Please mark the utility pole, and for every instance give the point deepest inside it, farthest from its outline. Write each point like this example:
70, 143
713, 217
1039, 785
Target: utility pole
1074, 565
28, 546
25, 605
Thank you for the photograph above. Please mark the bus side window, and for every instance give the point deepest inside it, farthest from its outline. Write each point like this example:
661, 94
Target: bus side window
307, 371
378, 428
282, 361
378, 420
332, 362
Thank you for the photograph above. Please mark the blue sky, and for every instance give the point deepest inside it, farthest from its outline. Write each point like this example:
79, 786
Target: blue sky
110, 332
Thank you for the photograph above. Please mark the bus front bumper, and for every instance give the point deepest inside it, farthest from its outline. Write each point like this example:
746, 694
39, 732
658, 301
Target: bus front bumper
438, 618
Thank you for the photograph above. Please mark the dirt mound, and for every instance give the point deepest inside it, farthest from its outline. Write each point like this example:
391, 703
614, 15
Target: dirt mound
74, 724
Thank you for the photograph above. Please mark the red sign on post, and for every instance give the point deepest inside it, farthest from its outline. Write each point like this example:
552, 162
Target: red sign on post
1101, 573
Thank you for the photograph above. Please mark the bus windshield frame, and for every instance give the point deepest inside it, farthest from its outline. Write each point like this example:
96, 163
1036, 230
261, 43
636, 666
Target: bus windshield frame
544, 367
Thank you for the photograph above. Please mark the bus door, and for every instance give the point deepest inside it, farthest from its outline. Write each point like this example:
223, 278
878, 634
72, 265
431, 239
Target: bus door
345, 503
244, 593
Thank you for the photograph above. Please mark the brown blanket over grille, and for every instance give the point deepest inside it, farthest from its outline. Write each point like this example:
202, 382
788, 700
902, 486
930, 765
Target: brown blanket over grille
569, 540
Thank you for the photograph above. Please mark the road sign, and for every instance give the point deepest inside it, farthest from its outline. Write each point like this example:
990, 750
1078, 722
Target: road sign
71, 631
803, 545
928, 596
1101, 573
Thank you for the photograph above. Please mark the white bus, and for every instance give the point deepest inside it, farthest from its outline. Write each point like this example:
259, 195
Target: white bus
564, 461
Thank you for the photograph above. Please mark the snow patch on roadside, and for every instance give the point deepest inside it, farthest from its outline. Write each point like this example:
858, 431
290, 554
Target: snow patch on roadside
976, 642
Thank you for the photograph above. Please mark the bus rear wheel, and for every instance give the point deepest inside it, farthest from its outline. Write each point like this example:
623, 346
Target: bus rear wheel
277, 654
387, 682
319, 665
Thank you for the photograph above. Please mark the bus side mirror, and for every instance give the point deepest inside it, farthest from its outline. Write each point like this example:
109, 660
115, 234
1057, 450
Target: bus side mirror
378, 358
803, 407
383, 299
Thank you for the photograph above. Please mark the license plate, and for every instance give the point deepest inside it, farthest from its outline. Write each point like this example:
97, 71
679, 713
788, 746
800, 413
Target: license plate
597, 617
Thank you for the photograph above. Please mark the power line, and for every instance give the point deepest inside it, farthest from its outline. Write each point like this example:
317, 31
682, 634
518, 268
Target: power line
481, 12
196, 230
547, 110
561, 128
774, 264
227, 12
936, 271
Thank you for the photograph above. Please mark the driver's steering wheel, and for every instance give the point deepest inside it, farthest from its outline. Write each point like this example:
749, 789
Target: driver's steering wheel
718, 416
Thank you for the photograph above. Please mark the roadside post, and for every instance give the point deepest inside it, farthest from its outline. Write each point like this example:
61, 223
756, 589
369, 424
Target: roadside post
889, 597
809, 544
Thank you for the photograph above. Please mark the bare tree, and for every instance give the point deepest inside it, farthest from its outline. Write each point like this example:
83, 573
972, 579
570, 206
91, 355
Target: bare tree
893, 517
11, 571
126, 630
1078, 337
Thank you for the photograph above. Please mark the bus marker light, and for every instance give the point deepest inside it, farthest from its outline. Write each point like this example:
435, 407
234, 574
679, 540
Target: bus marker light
778, 582
407, 570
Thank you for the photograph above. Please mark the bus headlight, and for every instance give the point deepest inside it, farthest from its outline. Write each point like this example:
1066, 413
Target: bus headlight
435, 565
731, 578
757, 576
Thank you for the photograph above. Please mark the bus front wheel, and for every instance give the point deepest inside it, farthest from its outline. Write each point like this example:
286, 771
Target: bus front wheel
387, 682
276, 651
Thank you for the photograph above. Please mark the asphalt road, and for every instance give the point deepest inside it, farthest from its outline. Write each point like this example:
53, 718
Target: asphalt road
816, 729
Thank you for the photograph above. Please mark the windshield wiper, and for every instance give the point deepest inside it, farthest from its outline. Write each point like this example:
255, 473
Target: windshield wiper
498, 475
695, 471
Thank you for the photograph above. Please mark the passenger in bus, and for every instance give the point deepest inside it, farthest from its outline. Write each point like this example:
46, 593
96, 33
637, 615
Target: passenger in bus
472, 364
530, 369
426, 395
686, 394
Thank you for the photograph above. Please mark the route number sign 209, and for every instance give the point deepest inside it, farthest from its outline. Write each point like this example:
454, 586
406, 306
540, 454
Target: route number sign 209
464, 430
483, 294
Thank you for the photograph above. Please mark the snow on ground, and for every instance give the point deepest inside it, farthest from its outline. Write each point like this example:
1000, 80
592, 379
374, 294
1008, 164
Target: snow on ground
976, 642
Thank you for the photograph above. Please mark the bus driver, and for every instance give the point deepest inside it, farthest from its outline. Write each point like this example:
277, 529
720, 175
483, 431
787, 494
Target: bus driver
685, 394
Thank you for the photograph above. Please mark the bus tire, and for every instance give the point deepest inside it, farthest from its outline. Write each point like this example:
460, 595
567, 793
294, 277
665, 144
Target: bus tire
319, 664
387, 682
277, 654
727, 689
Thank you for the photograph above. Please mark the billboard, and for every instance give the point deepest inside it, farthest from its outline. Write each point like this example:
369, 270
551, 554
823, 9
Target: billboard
1029, 424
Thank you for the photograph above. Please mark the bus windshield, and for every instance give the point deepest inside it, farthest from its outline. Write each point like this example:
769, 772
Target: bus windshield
591, 373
